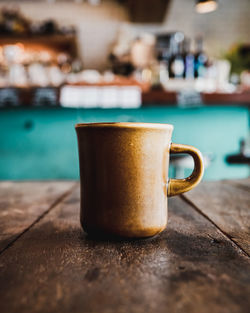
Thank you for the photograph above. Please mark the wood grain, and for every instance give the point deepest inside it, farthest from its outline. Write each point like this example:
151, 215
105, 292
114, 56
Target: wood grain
22, 203
191, 267
227, 204
240, 183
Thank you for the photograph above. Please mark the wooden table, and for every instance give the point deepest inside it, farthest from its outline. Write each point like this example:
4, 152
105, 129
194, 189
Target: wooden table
200, 263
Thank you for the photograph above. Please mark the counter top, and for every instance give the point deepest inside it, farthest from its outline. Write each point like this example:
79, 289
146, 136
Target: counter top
200, 263
216, 98
150, 97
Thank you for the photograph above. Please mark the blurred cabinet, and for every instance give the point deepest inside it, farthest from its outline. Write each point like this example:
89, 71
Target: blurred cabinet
147, 11
37, 144
40, 143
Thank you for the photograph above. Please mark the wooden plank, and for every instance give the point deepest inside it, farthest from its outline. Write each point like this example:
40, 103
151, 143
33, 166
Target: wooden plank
21, 204
228, 206
240, 183
191, 267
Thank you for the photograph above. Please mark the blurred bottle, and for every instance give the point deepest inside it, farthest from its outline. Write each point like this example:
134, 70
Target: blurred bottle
163, 73
159, 70
176, 62
162, 69
201, 59
189, 59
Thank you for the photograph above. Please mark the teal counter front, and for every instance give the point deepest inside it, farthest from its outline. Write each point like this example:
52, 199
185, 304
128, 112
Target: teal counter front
40, 143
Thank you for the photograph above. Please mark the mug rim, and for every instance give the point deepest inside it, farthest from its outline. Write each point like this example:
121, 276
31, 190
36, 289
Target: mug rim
126, 125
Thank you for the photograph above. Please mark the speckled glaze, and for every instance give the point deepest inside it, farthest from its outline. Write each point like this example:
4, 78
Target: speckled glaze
124, 177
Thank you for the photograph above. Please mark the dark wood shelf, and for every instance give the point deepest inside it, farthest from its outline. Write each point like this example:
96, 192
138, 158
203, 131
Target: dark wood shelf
59, 41
36, 38
157, 97
162, 97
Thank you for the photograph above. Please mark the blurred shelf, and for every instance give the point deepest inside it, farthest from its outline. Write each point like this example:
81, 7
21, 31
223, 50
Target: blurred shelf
162, 97
58, 41
226, 98
149, 97
159, 96
36, 38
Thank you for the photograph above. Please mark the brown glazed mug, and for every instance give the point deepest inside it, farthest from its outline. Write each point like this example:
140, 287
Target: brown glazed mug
124, 177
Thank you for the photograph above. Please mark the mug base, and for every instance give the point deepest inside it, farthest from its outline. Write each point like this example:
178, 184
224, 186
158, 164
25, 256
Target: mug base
121, 235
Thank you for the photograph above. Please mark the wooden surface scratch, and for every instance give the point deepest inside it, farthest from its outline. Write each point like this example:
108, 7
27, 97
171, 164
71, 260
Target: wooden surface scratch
227, 204
21, 204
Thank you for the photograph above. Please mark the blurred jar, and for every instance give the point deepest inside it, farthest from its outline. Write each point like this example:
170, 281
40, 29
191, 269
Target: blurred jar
245, 79
142, 51
223, 74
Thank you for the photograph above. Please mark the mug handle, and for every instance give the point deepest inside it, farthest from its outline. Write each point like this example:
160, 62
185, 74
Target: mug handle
178, 186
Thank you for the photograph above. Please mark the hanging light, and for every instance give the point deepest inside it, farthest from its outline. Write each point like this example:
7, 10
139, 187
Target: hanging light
206, 6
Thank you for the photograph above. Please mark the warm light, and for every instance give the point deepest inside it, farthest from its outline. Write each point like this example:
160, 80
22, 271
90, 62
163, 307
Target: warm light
206, 6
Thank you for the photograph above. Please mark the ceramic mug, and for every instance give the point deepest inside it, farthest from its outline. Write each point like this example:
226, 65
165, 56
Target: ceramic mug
124, 177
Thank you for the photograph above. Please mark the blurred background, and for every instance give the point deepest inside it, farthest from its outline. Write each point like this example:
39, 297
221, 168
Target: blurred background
183, 62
